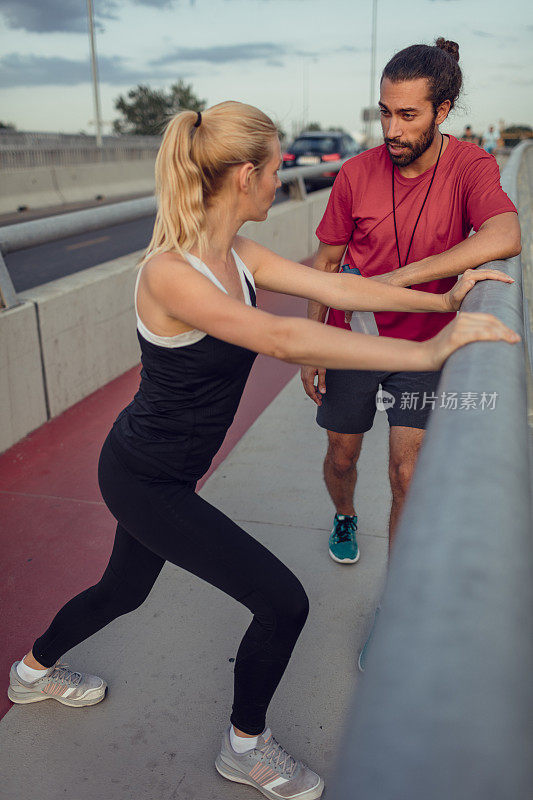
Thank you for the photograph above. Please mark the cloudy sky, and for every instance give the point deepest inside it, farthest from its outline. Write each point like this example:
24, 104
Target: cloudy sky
292, 58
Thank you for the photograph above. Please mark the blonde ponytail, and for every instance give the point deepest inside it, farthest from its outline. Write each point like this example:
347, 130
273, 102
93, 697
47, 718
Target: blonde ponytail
195, 156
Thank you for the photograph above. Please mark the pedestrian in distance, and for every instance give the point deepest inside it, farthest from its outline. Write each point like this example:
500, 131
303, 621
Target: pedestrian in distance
402, 213
489, 140
199, 331
469, 135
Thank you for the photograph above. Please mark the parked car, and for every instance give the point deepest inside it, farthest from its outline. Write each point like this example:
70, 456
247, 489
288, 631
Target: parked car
315, 147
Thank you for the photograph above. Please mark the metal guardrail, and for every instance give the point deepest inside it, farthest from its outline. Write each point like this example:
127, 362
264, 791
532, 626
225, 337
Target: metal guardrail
445, 707
10, 137
29, 150
49, 229
521, 174
12, 159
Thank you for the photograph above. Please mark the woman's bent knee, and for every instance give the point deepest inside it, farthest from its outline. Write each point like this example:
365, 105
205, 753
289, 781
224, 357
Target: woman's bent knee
296, 605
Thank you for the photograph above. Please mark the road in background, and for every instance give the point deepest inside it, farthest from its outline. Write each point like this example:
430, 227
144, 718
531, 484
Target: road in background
48, 262
53, 260
14, 217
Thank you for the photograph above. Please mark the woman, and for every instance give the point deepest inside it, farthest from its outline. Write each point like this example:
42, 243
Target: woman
199, 332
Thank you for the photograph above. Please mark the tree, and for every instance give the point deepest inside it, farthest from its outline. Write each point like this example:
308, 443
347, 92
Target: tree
7, 126
182, 97
312, 126
146, 111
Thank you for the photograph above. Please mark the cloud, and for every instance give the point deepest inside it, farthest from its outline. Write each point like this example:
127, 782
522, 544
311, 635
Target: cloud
483, 34
225, 54
47, 16
69, 16
18, 70
516, 67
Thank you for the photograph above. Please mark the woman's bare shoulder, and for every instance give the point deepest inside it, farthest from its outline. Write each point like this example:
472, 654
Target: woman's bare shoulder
164, 261
160, 269
250, 252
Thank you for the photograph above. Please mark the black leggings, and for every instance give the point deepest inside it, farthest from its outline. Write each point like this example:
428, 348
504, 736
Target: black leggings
161, 519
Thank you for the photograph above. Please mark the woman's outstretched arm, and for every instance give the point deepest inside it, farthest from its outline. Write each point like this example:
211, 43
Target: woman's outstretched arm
351, 292
187, 296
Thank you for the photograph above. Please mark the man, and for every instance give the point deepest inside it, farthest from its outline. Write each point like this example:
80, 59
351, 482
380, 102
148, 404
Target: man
489, 141
403, 213
469, 135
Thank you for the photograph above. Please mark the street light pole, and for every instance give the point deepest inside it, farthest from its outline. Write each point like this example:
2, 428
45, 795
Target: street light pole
96, 94
372, 69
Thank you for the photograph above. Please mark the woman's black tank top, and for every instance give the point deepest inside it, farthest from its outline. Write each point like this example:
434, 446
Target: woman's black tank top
191, 385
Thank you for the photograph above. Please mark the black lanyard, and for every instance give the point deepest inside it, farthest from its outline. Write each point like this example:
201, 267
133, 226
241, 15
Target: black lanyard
420, 212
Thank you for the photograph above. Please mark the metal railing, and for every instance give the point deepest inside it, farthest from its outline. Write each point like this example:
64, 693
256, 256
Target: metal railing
28, 158
445, 707
30, 150
49, 229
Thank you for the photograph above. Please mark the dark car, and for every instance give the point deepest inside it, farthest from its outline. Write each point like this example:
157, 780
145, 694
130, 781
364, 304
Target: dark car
315, 147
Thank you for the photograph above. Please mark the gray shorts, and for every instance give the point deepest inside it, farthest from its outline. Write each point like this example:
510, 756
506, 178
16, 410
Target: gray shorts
350, 402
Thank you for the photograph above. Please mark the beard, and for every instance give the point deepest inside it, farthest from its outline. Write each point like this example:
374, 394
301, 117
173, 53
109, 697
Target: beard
413, 150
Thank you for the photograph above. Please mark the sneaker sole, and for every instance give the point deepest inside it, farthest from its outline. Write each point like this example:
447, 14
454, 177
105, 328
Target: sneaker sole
345, 560
31, 697
238, 777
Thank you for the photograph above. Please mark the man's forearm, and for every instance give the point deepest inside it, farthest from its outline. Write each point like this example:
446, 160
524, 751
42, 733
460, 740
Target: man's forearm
317, 311
495, 240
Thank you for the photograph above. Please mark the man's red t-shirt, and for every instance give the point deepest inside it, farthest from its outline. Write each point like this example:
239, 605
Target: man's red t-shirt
466, 193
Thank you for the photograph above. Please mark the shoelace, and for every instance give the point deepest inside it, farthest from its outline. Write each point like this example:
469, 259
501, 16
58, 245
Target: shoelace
63, 674
344, 530
273, 753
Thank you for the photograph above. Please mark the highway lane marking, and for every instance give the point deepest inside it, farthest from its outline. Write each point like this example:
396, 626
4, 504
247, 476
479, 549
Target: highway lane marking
87, 243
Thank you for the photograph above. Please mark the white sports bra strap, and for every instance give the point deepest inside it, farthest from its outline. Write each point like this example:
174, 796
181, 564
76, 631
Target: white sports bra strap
192, 336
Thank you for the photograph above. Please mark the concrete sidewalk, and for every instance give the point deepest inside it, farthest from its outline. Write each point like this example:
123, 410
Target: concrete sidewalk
169, 665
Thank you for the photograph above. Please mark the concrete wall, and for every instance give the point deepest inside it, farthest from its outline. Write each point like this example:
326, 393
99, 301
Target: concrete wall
22, 396
73, 335
290, 227
87, 328
40, 187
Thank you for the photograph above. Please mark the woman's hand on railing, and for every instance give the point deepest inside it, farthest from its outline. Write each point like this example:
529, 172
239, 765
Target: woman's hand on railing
465, 328
468, 279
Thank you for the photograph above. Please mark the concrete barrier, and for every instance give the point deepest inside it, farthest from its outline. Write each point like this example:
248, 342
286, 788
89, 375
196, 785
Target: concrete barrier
87, 329
83, 326
111, 179
40, 187
22, 395
290, 227
31, 188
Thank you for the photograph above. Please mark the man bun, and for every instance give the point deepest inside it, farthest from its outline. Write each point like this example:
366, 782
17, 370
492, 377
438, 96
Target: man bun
436, 63
452, 48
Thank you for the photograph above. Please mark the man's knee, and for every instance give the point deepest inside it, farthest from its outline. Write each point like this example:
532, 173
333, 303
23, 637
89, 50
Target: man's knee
405, 444
343, 451
400, 473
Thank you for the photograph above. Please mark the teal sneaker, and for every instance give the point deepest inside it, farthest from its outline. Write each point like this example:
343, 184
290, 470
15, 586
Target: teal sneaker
342, 542
363, 655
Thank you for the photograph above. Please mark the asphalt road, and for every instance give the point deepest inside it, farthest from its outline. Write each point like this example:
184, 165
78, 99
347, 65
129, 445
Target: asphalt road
47, 262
